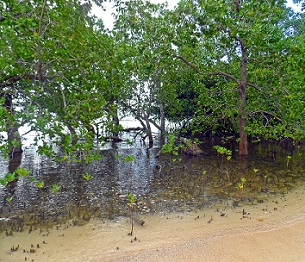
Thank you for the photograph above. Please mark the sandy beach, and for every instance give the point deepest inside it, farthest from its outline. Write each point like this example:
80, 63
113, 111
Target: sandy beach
273, 230
285, 243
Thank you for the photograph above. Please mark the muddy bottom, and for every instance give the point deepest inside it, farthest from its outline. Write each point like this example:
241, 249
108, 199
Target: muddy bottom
272, 230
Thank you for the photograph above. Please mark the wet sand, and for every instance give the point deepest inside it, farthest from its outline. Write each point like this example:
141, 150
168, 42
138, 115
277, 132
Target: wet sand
283, 243
270, 231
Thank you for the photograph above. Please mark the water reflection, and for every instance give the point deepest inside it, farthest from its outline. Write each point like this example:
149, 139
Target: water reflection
165, 184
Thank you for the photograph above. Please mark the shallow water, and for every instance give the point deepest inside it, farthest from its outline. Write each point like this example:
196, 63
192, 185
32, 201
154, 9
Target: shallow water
169, 190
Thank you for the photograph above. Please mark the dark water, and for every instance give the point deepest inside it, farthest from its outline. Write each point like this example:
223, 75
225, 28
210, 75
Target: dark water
165, 184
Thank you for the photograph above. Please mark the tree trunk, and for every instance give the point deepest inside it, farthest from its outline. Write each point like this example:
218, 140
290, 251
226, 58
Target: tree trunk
243, 143
162, 124
14, 139
157, 94
13, 135
72, 133
149, 133
116, 122
113, 111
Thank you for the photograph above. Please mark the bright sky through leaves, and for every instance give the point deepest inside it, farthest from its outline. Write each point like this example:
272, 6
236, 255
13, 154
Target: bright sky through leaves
108, 19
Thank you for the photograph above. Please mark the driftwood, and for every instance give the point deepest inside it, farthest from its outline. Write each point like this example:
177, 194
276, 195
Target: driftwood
117, 139
112, 139
190, 147
129, 129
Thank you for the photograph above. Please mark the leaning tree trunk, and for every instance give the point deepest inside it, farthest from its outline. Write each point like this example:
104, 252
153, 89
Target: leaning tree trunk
14, 139
72, 133
13, 135
149, 133
243, 143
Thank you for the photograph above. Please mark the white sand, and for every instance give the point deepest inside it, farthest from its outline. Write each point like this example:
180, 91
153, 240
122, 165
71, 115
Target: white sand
271, 231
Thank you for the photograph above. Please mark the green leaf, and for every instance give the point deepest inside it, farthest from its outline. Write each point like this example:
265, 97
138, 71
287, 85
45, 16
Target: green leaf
131, 197
87, 176
9, 199
129, 158
55, 188
10, 177
40, 184
3, 181
22, 172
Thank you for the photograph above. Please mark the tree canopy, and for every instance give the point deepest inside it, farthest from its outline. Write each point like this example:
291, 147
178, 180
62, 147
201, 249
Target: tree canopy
227, 68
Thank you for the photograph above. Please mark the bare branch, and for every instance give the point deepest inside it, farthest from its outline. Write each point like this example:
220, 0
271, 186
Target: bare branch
210, 74
27, 132
219, 73
256, 87
155, 124
39, 68
226, 75
263, 112
188, 63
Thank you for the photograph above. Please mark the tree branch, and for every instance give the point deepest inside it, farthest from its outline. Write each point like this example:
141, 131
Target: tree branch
210, 74
256, 87
155, 124
226, 75
39, 67
188, 63
219, 73
14, 79
263, 112
17, 15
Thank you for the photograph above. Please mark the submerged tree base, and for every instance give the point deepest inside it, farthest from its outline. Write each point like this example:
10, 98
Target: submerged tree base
191, 148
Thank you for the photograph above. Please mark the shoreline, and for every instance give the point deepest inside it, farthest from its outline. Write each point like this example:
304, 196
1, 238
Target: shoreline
270, 231
281, 244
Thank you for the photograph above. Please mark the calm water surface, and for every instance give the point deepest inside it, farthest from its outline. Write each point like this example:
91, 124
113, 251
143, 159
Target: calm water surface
161, 185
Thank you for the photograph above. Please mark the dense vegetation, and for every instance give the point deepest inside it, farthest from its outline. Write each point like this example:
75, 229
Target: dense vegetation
229, 68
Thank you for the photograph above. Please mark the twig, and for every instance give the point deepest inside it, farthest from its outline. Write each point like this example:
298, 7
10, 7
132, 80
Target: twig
39, 67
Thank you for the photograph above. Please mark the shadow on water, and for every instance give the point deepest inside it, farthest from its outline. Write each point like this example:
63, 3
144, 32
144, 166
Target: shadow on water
161, 185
